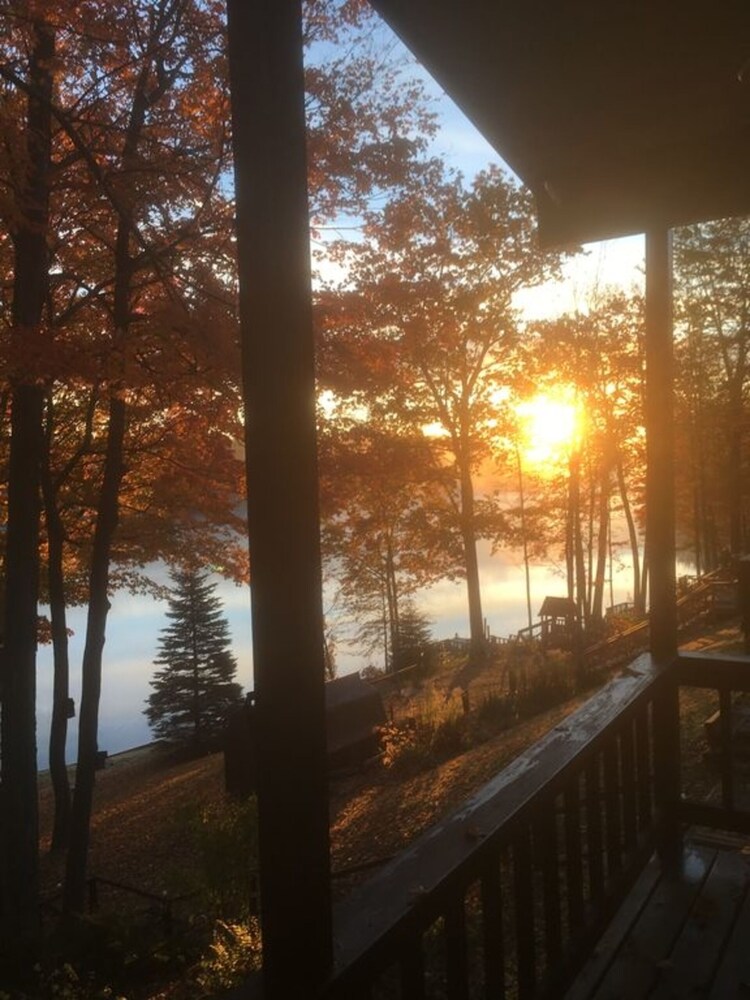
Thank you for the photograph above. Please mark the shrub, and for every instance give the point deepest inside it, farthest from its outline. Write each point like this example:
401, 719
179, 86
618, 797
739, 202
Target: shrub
226, 839
234, 953
437, 730
494, 712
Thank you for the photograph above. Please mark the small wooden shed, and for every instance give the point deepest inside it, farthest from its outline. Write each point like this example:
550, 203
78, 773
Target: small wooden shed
354, 710
559, 618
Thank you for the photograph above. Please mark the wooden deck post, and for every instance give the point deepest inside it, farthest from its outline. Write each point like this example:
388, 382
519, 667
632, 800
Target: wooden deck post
660, 516
660, 531
266, 74
743, 588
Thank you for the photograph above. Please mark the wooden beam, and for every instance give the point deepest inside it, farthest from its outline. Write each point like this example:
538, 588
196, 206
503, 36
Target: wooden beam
660, 533
266, 73
660, 516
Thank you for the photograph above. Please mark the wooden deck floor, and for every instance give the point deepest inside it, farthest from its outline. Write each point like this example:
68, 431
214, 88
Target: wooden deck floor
684, 936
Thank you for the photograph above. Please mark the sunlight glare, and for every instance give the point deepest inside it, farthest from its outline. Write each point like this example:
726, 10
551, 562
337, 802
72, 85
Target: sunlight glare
434, 430
550, 426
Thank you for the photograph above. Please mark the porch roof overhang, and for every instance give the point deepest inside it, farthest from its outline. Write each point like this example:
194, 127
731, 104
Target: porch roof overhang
618, 115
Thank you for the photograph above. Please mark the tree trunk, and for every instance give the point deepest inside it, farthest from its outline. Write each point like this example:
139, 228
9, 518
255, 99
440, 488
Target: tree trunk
392, 595
19, 872
735, 429
590, 522
58, 615
477, 641
570, 576
638, 594
107, 515
61, 667
579, 565
524, 538
74, 893
597, 604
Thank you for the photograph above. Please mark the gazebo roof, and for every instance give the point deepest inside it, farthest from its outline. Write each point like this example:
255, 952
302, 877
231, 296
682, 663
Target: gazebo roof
558, 607
619, 114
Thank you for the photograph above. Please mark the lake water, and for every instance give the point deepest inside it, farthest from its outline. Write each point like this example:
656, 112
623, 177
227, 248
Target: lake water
135, 623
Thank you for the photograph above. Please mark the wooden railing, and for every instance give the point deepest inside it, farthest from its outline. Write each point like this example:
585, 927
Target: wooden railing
508, 895
727, 804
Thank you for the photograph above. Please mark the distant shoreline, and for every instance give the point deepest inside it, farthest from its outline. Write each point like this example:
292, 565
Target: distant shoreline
111, 756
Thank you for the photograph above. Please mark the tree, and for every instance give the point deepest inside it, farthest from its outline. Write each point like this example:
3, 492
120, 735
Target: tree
383, 506
195, 689
414, 634
431, 313
598, 356
133, 261
26, 214
712, 285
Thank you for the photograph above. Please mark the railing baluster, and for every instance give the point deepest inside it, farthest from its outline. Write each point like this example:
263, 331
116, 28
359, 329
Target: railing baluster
412, 972
523, 890
549, 861
456, 956
594, 831
643, 771
725, 722
492, 925
573, 853
592, 796
612, 809
629, 798
667, 773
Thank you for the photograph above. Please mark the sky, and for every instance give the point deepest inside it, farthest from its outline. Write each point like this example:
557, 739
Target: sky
134, 622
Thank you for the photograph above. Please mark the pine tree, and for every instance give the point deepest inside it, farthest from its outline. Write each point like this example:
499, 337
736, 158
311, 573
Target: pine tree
413, 635
195, 689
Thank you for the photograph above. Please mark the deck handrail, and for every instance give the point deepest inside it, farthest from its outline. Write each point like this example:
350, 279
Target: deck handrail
597, 764
728, 675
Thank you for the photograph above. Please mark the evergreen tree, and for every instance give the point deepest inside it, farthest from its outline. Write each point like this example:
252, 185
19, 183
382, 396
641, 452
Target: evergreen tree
412, 637
195, 689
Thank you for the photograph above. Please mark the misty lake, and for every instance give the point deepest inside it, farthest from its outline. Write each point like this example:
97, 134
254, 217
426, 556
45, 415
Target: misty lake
135, 622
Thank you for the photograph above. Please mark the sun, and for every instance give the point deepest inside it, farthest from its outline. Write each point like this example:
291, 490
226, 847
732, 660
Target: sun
549, 425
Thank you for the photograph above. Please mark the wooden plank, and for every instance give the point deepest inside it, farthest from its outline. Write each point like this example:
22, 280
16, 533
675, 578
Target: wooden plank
607, 947
523, 896
412, 971
714, 817
594, 839
644, 771
733, 977
574, 854
715, 670
667, 777
659, 420
629, 798
651, 939
612, 811
725, 728
413, 888
265, 46
693, 961
492, 928
456, 955
548, 853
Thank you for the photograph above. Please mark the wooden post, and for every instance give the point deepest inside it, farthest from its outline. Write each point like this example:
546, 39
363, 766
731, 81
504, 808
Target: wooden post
660, 532
744, 598
660, 516
266, 73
